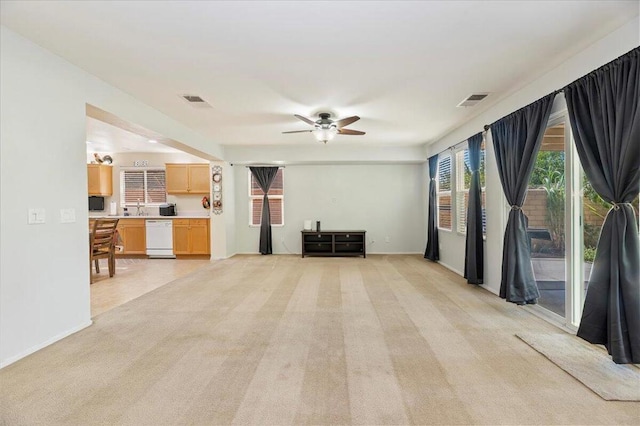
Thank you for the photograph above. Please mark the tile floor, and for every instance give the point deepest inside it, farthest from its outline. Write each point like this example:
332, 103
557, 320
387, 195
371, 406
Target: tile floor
135, 277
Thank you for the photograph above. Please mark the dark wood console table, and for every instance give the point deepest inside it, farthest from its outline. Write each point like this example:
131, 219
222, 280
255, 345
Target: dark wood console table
334, 243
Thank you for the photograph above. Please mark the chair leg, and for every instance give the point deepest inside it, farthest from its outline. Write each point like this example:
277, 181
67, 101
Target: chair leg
90, 272
112, 265
97, 266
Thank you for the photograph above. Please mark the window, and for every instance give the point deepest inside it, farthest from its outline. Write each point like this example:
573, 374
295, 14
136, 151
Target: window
463, 184
148, 187
276, 200
444, 192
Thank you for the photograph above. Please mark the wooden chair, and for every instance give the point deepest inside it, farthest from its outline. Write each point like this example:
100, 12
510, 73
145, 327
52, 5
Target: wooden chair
103, 245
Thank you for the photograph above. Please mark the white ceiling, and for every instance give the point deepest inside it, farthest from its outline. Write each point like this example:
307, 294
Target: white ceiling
401, 66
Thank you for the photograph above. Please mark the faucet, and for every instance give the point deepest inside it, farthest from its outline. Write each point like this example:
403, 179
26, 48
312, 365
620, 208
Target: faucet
139, 210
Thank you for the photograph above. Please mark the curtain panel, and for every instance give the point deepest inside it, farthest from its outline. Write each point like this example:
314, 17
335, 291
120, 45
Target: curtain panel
604, 113
432, 251
474, 248
265, 176
516, 140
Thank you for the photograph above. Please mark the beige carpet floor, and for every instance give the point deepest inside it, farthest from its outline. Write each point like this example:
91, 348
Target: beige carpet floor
590, 364
284, 340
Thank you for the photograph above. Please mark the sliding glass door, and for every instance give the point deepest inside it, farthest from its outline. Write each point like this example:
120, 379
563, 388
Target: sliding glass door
555, 210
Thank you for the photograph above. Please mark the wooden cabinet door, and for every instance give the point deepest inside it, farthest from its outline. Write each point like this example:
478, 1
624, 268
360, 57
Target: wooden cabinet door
100, 180
181, 236
134, 236
199, 236
199, 179
93, 177
136, 242
177, 178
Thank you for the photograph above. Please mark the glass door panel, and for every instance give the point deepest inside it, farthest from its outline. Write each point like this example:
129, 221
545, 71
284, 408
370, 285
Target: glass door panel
545, 206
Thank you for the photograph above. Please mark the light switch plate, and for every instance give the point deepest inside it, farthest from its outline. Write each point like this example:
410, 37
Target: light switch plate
67, 215
36, 216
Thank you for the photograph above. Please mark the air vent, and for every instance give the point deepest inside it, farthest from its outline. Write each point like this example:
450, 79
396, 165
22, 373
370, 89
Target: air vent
472, 99
196, 101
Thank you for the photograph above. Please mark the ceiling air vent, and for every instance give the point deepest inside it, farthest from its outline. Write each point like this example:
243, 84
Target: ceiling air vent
472, 100
195, 101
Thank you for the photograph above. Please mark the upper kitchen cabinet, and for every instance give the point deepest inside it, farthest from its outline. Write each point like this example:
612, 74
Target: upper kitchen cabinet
100, 179
188, 178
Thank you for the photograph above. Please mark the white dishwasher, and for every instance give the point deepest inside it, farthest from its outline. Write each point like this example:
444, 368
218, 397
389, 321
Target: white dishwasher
160, 238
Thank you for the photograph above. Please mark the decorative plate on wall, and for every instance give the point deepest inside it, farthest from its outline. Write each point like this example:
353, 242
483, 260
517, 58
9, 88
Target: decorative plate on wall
217, 189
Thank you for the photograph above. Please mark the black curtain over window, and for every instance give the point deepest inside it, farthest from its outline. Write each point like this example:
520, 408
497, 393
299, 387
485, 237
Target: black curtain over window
264, 176
474, 250
516, 140
604, 112
433, 251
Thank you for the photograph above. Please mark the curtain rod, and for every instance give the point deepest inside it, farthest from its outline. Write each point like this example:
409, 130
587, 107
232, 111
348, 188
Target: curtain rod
452, 147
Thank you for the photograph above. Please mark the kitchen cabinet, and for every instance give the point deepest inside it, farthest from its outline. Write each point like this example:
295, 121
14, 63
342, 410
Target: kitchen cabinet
133, 235
100, 179
187, 178
191, 236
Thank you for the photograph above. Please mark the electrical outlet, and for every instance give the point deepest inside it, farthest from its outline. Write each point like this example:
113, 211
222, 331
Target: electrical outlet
67, 215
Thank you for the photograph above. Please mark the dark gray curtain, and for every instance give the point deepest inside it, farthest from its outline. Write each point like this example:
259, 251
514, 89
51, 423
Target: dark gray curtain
265, 176
605, 120
433, 251
474, 250
516, 140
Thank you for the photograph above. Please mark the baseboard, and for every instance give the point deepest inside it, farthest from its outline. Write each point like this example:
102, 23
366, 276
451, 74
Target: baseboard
393, 252
225, 257
368, 253
44, 344
451, 268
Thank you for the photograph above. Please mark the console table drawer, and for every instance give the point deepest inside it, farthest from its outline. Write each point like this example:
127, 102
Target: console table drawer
318, 238
348, 238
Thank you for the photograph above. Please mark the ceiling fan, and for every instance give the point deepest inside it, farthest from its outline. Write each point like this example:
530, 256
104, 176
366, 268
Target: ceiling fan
325, 128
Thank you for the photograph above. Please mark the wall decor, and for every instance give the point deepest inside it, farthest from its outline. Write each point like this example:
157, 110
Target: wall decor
216, 177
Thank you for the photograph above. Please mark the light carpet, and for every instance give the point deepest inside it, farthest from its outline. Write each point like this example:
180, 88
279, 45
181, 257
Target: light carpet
281, 340
588, 364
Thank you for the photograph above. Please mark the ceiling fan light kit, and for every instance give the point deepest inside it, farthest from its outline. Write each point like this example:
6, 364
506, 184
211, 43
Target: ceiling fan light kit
325, 129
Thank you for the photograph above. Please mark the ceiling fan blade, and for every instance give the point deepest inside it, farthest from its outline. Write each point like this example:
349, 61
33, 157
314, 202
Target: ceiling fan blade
346, 121
350, 132
299, 131
305, 119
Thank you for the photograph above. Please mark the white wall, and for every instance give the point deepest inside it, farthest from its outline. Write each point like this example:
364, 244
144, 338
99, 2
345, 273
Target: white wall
596, 55
44, 271
223, 225
314, 152
44, 291
385, 200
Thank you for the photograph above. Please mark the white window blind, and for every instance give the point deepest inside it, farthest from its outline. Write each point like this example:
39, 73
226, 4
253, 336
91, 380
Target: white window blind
147, 187
444, 192
463, 184
276, 200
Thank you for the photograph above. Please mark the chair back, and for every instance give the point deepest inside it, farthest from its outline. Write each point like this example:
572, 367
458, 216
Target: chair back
103, 235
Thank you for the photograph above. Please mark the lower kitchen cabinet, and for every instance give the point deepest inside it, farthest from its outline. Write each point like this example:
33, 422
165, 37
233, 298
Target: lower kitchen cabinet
191, 236
133, 235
